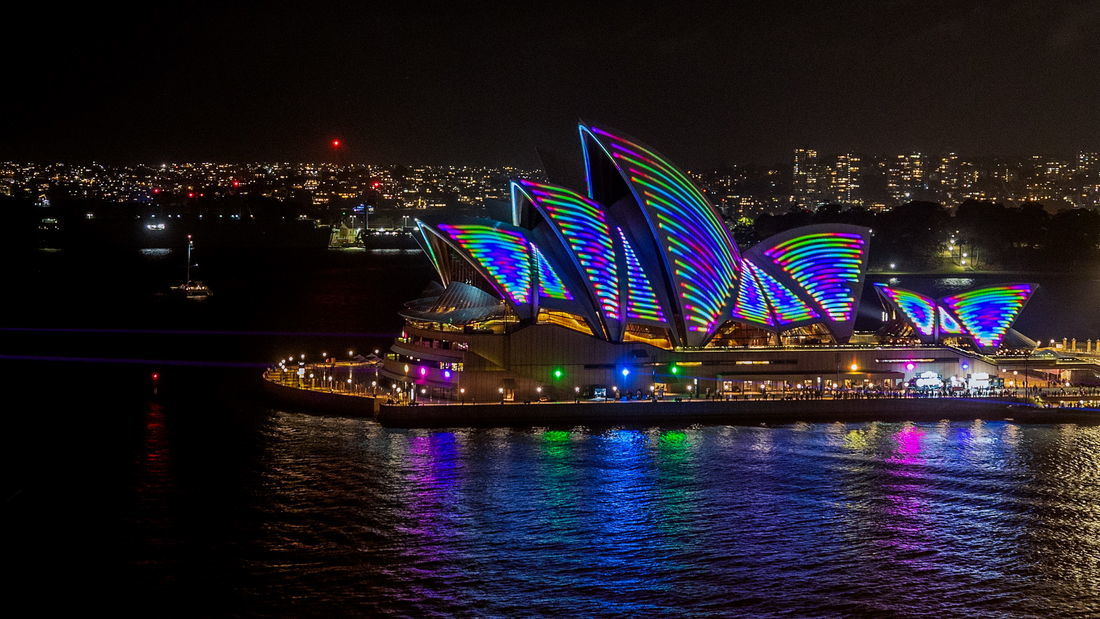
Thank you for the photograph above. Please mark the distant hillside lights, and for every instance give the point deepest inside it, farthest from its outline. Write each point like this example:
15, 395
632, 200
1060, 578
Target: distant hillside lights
892, 180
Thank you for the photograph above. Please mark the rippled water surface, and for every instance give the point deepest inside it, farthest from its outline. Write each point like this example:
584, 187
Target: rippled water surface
806, 519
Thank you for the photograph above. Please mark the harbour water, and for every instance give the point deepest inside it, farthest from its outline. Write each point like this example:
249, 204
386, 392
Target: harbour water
189, 493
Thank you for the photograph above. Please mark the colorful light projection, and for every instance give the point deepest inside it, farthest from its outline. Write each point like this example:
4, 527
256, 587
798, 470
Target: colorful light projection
550, 285
641, 301
987, 313
703, 261
583, 225
787, 307
501, 253
751, 305
918, 309
948, 324
828, 265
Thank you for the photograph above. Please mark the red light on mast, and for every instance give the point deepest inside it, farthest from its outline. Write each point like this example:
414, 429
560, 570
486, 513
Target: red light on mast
336, 143
236, 183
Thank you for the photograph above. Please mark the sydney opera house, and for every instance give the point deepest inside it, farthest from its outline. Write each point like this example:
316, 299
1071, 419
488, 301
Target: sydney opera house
633, 285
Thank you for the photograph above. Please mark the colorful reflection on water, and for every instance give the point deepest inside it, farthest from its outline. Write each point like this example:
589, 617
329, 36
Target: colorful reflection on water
948, 518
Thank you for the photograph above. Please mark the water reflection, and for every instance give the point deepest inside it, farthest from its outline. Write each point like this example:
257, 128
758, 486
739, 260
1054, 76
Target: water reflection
948, 518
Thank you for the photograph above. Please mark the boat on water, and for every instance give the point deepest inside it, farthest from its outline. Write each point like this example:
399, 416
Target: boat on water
190, 289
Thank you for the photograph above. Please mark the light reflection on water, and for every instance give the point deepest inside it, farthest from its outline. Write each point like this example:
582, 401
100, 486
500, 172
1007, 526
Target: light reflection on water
807, 519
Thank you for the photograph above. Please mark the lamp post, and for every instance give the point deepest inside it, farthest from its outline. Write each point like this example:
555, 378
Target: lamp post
576, 395
1027, 358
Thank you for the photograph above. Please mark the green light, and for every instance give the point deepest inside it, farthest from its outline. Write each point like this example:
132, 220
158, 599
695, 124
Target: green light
675, 369
558, 373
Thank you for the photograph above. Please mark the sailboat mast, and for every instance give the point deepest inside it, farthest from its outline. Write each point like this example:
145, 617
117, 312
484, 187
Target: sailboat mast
189, 245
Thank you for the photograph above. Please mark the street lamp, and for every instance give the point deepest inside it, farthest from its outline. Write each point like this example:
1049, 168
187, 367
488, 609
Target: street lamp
462, 396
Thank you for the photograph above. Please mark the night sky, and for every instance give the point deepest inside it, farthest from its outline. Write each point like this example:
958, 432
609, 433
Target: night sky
485, 83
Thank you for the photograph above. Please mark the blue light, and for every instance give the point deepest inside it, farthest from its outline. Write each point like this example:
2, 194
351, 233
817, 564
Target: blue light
626, 372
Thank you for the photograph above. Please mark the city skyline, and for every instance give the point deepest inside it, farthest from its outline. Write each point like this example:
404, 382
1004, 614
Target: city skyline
810, 178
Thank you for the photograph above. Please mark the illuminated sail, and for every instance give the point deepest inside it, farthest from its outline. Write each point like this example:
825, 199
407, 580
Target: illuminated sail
918, 309
641, 302
987, 313
698, 253
502, 254
550, 285
751, 304
583, 225
788, 308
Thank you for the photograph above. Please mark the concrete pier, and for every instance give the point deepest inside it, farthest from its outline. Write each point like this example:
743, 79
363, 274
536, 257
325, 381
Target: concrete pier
635, 412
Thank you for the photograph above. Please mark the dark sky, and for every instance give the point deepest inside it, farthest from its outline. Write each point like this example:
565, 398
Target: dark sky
485, 82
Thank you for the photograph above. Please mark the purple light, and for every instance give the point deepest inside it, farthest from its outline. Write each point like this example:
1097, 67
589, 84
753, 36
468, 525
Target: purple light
909, 366
447, 374
423, 370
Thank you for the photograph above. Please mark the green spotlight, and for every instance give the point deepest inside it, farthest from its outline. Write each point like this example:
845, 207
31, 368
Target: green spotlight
558, 373
673, 368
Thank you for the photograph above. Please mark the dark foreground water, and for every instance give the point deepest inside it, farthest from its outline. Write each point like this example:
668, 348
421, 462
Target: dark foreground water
199, 498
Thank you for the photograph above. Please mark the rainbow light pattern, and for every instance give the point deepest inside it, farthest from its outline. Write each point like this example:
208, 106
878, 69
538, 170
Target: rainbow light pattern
827, 265
550, 285
948, 324
641, 301
583, 225
751, 305
919, 309
788, 308
502, 254
987, 313
704, 262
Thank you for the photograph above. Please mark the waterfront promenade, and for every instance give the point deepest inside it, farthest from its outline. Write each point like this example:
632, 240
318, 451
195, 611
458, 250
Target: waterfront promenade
296, 390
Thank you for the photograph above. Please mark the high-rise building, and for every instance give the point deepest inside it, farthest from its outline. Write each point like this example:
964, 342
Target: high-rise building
949, 176
844, 176
807, 178
1088, 162
905, 177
